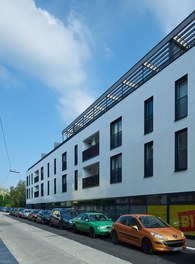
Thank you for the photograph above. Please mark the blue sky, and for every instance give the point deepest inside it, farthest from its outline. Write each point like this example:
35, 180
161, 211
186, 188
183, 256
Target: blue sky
58, 56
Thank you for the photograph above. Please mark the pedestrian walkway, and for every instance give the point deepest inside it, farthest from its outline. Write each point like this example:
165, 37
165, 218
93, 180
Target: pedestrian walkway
5, 255
32, 245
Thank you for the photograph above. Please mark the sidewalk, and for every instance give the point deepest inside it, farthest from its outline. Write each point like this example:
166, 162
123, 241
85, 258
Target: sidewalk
31, 245
5, 255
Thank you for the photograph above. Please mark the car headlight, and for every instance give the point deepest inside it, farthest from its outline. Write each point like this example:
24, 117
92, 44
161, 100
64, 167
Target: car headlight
157, 235
182, 234
101, 227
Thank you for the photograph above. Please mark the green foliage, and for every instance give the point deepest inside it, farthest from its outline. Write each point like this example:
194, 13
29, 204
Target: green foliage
16, 197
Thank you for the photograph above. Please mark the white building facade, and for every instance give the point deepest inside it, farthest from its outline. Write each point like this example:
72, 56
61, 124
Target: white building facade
133, 149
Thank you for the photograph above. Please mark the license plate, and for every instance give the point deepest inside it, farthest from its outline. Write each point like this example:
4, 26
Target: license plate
176, 248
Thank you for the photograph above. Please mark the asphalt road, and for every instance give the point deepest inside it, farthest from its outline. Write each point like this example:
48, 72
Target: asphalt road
122, 251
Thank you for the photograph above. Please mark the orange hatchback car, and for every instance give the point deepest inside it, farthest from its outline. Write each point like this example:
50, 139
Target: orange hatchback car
149, 232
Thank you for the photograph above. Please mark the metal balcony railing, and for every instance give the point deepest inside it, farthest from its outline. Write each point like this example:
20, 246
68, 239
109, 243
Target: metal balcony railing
179, 41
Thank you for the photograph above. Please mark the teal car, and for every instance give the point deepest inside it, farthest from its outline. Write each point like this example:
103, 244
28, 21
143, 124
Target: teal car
92, 223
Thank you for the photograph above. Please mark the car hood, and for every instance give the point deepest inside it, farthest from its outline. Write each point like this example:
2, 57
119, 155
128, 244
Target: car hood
169, 232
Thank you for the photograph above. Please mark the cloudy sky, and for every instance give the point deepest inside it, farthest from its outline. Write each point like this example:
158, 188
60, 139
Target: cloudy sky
58, 56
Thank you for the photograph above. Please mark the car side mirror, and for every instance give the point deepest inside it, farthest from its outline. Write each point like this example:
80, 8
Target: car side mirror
135, 227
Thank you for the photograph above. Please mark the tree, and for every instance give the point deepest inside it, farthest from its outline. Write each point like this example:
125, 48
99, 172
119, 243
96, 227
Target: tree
18, 195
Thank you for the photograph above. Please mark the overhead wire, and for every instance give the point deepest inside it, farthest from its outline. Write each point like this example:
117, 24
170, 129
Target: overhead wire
7, 153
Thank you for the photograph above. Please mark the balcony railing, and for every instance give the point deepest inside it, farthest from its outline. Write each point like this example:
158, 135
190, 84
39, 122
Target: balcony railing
91, 181
91, 152
36, 179
36, 194
176, 43
116, 175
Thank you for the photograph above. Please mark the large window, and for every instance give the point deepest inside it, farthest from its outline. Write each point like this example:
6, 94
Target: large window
48, 188
42, 173
42, 189
76, 180
64, 161
54, 185
64, 183
181, 158
54, 167
116, 133
48, 172
148, 115
148, 159
116, 169
75, 155
181, 98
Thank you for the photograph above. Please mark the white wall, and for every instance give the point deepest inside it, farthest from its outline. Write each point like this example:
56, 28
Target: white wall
164, 180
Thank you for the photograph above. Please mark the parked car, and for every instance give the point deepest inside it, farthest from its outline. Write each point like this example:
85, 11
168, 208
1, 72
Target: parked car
33, 215
149, 232
19, 212
62, 217
43, 217
92, 223
25, 213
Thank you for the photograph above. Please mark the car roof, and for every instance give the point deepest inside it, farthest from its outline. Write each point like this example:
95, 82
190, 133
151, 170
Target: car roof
136, 215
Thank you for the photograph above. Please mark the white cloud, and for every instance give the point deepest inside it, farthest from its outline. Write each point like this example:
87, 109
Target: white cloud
37, 43
169, 13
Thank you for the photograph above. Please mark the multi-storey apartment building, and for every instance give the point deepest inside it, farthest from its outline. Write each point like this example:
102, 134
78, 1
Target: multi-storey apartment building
133, 149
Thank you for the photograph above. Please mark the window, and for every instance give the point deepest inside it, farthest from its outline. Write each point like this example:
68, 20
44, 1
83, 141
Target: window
64, 161
181, 158
75, 155
181, 98
42, 189
148, 159
47, 187
54, 185
148, 115
48, 170
54, 168
64, 183
42, 173
116, 133
116, 169
31, 178
76, 180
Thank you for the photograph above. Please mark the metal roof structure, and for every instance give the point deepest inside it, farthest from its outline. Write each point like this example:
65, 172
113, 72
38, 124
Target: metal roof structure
176, 43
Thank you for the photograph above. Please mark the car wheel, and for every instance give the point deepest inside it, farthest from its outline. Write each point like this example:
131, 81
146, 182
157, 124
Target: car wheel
60, 225
50, 223
75, 230
147, 246
92, 232
42, 221
114, 236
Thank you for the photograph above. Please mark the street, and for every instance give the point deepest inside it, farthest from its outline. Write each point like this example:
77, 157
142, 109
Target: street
33, 243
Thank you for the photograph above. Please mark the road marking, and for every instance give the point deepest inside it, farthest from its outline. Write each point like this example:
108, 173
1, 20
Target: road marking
190, 248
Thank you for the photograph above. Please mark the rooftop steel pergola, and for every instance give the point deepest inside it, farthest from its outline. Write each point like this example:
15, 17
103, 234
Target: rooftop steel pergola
176, 43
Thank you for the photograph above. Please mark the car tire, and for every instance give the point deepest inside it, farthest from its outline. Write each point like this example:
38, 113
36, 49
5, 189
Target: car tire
42, 221
74, 228
147, 246
50, 224
92, 232
60, 225
114, 236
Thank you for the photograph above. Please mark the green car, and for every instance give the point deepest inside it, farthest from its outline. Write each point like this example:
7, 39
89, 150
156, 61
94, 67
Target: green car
92, 223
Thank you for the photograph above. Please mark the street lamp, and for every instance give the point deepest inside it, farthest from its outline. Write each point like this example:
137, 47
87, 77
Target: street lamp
14, 171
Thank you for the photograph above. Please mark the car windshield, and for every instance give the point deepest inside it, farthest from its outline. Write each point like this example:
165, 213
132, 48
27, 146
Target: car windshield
152, 222
46, 212
97, 217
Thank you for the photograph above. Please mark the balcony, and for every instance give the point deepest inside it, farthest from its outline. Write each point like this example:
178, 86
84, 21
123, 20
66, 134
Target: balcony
91, 181
91, 152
